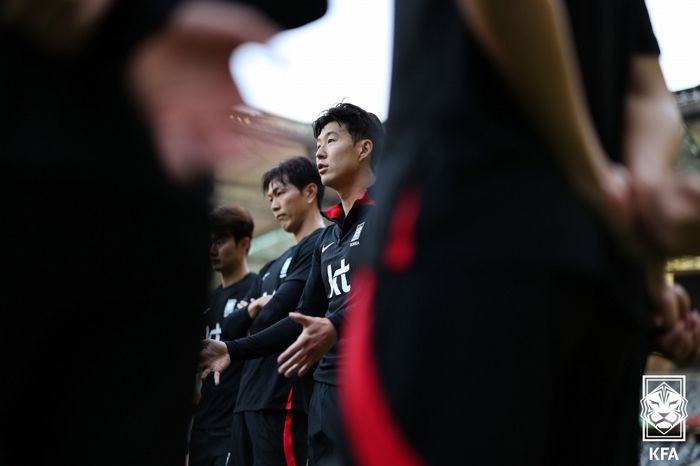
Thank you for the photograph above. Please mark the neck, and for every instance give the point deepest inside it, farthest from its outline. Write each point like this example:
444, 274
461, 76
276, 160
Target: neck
349, 194
311, 223
235, 275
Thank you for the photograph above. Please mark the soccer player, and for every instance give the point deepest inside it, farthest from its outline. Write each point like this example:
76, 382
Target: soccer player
270, 419
231, 234
348, 138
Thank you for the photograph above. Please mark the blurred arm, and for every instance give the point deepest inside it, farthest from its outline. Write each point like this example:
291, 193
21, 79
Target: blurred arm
654, 125
530, 42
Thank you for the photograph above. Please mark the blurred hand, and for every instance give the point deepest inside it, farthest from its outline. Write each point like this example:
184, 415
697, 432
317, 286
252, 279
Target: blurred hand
317, 337
55, 25
670, 214
611, 196
213, 357
679, 338
181, 78
681, 343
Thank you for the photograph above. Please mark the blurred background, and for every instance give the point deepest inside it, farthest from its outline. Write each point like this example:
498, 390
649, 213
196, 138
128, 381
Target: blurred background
346, 56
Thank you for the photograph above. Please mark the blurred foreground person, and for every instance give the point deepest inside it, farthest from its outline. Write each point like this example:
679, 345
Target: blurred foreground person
505, 305
116, 236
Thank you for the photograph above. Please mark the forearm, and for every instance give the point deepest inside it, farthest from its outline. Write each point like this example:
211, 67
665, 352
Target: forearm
283, 302
530, 42
270, 341
236, 325
653, 133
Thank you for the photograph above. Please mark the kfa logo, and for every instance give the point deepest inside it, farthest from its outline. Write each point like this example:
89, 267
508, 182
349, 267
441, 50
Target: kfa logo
333, 277
663, 413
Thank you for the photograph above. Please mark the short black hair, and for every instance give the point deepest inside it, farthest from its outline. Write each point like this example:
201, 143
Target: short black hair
231, 220
298, 171
360, 123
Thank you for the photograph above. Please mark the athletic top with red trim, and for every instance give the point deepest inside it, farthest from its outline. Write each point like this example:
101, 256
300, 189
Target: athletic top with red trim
262, 387
326, 292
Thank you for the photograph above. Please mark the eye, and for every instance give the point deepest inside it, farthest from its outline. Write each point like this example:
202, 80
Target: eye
330, 140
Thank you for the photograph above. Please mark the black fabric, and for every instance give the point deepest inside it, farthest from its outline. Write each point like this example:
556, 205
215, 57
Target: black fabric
263, 438
217, 402
273, 339
518, 313
106, 258
326, 440
209, 447
323, 296
262, 387
329, 284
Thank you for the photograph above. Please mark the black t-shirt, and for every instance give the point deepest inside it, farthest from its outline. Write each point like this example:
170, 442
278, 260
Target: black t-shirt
216, 405
262, 387
457, 133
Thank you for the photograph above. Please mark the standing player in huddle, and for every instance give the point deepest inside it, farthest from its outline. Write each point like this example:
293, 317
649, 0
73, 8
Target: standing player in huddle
348, 138
231, 233
504, 188
270, 419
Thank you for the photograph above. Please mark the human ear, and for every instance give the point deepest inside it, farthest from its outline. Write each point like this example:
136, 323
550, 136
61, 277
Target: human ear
366, 146
310, 192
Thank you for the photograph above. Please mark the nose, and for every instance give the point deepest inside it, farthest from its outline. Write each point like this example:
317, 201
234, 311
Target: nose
321, 152
275, 205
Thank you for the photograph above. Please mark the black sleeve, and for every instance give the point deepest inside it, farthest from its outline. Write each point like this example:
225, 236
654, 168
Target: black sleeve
290, 14
236, 324
314, 301
644, 40
337, 319
279, 336
283, 302
288, 293
272, 340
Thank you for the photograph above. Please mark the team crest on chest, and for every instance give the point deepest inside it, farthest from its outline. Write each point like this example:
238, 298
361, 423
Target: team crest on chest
355, 237
230, 307
285, 267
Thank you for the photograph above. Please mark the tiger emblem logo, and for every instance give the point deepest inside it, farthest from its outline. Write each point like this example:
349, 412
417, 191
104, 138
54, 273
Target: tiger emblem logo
664, 408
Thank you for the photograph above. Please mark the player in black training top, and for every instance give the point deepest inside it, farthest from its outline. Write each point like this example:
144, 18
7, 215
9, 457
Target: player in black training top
232, 230
270, 419
347, 139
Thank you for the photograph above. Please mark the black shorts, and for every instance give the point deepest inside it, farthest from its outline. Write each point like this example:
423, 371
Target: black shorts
327, 445
209, 447
269, 438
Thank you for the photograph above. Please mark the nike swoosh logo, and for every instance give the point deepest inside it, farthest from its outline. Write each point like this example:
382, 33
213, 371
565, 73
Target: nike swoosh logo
323, 249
